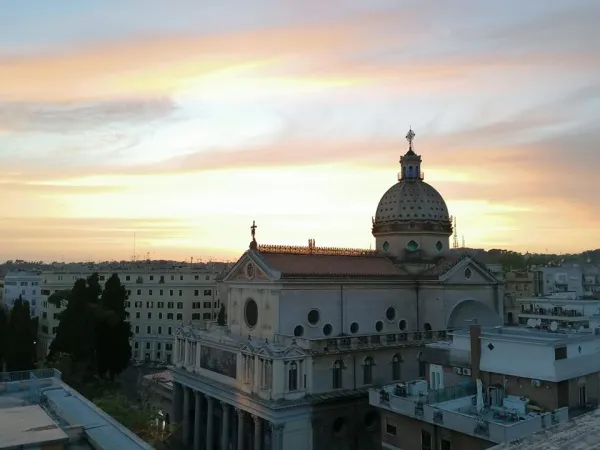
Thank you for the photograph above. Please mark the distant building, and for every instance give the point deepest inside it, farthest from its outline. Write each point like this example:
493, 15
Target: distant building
39, 411
563, 309
160, 299
25, 285
517, 284
550, 280
530, 380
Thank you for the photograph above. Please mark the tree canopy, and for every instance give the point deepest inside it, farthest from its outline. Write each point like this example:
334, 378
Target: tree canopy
94, 329
18, 336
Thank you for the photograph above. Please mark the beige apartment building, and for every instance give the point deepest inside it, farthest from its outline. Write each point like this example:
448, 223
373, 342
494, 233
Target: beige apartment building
160, 300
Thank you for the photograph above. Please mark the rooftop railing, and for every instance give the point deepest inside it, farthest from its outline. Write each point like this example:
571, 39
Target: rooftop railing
351, 343
26, 375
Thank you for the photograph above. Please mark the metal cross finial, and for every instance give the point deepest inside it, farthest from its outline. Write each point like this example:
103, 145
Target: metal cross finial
410, 136
253, 229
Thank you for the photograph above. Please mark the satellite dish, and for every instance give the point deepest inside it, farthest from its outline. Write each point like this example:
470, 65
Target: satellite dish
538, 322
531, 323
553, 326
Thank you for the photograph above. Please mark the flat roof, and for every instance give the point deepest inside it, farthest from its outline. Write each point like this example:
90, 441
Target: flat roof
581, 433
530, 336
28, 425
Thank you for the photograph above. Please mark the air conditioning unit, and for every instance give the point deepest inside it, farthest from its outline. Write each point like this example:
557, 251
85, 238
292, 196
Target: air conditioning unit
536, 383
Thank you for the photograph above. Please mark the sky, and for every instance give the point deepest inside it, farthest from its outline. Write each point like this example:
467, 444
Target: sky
166, 128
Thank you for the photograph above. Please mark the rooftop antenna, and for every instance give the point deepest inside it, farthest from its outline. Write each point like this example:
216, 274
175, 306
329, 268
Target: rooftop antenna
455, 241
463, 241
134, 257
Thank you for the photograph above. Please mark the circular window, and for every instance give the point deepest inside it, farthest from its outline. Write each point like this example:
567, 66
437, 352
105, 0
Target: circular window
390, 313
250, 270
439, 246
313, 316
402, 325
370, 419
386, 246
468, 273
427, 326
412, 246
327, 329
354, 327
299, 331
339, 425
379, 326
251, 313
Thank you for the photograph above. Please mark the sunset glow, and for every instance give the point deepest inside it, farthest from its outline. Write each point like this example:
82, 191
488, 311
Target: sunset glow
186, 128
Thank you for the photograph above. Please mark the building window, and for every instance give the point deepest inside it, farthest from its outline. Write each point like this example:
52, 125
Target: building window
170, 305
169, 316
293, 377
180, 292
151, 277
206, 316
147, 345
179, 316
425, 440
196, 316
159, 332
196, 292
161, 304
161, 292
354, 327
149, 315
170, 331
137, 315
390, 427
139, 292
207, 292
171, 292
560, 353
412, 246
337, 374
128, 278
368, 370
396, 361
137, 328
179, 305
148, 329
149, 291
149, 304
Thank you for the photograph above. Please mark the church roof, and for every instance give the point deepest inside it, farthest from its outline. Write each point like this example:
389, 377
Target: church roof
292, 265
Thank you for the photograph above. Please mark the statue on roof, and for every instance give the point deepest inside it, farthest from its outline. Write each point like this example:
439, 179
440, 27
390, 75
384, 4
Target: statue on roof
253, 244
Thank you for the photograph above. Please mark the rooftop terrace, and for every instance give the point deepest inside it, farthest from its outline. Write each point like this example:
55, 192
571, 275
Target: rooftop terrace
37, 408
503, 420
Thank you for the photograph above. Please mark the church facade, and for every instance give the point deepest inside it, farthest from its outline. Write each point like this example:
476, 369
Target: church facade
310, 329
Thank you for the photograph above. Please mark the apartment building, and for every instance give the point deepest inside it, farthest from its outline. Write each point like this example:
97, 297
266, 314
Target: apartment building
490, 386
560, 311
160, 299
25, 285
517, 285
549, 280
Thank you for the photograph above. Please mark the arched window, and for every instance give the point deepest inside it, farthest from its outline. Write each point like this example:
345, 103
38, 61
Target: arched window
396, 361
368, 370
293, 377
410, 171
337, 374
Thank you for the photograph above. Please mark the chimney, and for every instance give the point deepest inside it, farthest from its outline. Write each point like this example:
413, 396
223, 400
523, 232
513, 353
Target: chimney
475, 338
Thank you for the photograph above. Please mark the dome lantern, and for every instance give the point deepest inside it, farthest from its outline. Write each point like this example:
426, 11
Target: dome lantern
410, 162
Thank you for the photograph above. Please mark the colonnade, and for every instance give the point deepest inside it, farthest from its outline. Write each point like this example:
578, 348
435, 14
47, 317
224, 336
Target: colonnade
236, 429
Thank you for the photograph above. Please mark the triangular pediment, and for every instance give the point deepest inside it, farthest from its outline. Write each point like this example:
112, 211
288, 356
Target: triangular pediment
250, 268
294, 351
468, 271
248, 347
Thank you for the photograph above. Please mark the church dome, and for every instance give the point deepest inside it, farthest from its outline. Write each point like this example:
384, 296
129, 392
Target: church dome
411, 201
411, 206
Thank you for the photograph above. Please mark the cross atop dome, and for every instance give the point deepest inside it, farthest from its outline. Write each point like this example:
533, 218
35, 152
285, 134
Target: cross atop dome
410, 136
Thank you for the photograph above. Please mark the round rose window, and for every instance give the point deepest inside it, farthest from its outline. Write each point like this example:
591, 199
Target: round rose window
251, 313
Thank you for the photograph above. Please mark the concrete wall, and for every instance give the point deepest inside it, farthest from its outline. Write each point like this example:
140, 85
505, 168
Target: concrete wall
297, 435
346, 425
408, 434
352, 375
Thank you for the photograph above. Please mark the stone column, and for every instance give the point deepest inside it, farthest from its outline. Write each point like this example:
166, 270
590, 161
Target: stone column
276, 436
186, 415
197, 420
258, 438
177, 406
240, 429
225, 427
209, 423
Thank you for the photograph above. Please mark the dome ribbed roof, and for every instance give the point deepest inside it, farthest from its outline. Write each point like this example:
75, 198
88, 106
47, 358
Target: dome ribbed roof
411, 201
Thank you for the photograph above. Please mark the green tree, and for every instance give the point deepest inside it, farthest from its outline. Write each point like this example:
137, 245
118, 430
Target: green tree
94, 330
140, 419
3, 335
113, 330
21, 337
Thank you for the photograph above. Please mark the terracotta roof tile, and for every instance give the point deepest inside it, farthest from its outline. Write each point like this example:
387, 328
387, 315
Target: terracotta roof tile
298, 265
